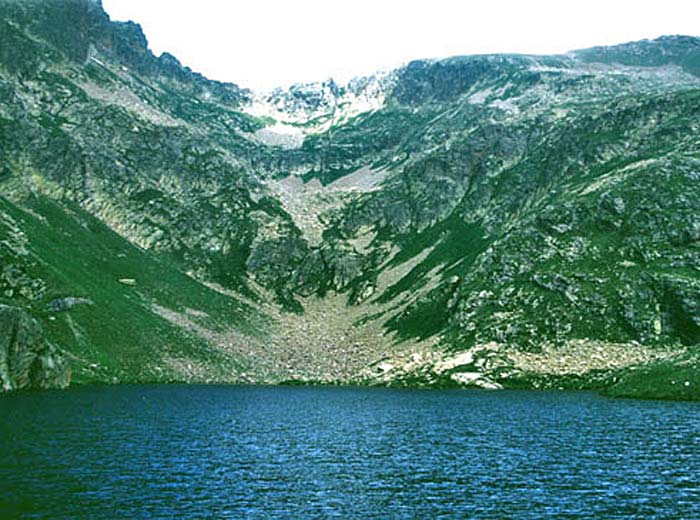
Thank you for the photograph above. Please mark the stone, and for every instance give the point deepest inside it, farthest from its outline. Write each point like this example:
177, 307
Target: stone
475, 379
463, 359
385, 368
27, 360
64, 304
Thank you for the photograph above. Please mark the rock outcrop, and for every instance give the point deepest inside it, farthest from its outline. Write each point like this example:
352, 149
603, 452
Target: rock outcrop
27, 360
534, 202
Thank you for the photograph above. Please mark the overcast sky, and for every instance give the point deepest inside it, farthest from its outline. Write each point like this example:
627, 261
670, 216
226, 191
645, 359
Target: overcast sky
266, 43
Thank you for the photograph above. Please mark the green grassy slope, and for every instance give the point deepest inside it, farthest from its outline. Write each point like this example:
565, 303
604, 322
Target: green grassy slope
676, 379
58, 251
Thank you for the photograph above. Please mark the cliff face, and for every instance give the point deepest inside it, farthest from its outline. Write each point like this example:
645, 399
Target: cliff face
27, 360
536, 216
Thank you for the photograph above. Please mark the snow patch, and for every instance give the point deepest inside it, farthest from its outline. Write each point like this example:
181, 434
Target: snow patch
286, 136
315, 107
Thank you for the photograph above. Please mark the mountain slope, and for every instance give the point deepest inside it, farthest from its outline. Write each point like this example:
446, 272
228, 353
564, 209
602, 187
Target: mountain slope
480, 220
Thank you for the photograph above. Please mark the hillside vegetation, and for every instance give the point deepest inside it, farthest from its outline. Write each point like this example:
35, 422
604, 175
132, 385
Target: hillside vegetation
489, 221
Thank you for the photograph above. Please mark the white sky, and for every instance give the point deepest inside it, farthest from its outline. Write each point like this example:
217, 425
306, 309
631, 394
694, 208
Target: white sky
262, 44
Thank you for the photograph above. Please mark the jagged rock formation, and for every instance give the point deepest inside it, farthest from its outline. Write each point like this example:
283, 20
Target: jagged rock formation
523, 209
27, 360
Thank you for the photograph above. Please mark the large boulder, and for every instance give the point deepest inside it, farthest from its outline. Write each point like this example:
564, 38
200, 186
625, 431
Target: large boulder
27, 360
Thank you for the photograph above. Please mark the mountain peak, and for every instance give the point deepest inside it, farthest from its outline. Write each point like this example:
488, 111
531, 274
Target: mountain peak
680, 50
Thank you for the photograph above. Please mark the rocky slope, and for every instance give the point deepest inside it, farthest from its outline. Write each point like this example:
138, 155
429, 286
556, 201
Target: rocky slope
476, 221
26, 359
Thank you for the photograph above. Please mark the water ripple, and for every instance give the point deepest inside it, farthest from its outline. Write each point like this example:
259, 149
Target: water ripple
234, 452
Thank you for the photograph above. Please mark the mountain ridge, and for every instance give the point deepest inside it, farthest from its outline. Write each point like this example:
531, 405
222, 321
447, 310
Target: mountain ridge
473, 221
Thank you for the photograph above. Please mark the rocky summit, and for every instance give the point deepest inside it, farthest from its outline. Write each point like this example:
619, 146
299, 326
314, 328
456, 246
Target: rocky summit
490, 221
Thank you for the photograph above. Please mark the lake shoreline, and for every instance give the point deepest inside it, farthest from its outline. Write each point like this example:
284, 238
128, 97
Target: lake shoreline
607, 392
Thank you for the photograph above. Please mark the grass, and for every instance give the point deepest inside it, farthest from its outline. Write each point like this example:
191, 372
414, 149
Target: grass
455, 240
673, 380
457, 244
76, 255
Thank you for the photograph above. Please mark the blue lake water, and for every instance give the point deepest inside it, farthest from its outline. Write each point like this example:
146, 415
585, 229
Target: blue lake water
265, 452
